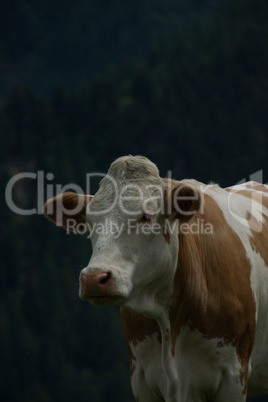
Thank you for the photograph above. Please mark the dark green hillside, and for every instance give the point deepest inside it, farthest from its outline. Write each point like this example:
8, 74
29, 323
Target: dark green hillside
43, 43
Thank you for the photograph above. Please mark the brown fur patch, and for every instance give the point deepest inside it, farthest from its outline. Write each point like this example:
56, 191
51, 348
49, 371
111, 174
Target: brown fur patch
255, 191
212, 291
259, 230
249, 194
136, 329
254, 185
258, 241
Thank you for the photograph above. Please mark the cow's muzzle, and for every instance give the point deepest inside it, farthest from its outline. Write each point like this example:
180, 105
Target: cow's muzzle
96, 287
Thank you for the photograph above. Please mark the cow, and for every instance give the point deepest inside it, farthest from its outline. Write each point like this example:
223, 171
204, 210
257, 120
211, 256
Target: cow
188, 264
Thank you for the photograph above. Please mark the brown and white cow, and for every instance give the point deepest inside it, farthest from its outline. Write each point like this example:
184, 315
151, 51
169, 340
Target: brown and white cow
188, 264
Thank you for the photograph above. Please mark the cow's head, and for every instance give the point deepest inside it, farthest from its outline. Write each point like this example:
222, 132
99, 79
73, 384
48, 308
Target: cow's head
133, 221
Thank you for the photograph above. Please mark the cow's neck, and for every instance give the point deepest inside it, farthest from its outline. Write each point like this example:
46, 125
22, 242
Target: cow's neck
212, 291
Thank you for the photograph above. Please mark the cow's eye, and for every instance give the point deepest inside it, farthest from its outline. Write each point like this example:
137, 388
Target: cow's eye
146, 218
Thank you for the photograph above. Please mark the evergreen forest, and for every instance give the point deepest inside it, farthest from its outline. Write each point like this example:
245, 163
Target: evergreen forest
184, 83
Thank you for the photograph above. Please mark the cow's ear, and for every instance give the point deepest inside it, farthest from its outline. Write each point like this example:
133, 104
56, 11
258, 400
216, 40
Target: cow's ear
67, 209
182, 200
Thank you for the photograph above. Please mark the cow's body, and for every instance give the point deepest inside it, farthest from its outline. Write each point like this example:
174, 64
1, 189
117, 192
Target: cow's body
204, 358
194, 299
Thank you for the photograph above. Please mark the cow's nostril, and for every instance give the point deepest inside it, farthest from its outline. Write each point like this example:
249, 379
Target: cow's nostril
105, 278
96, 285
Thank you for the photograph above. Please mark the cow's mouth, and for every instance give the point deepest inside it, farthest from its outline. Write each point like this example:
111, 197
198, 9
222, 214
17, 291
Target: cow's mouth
107, 299
103, 301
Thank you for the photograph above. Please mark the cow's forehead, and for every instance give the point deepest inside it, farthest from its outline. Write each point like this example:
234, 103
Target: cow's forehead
133, 168
129, 180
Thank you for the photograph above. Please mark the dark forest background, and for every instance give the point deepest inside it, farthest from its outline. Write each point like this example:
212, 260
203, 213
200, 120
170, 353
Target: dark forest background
184, 83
